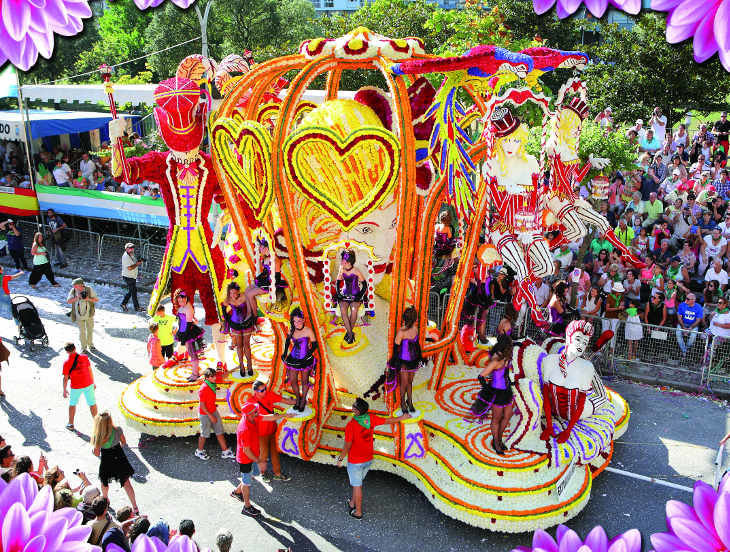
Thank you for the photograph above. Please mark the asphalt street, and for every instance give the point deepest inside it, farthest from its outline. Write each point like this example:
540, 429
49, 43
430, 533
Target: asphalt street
672, 436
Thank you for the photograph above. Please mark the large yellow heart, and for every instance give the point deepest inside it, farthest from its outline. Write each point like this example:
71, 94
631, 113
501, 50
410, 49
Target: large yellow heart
345, 177
243, 151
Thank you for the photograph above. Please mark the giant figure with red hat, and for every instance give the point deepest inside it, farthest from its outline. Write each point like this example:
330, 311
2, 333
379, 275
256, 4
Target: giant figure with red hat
188, 184
566, 174
513, 179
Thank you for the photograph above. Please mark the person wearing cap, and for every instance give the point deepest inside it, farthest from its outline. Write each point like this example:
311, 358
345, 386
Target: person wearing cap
676, 271
668, 188
265, 399
248, 452
83, 299
15, 243
210, 418
605, 119
88, 496
77, 371
689, 317
638, 129
614, 307
130, 271
359, 449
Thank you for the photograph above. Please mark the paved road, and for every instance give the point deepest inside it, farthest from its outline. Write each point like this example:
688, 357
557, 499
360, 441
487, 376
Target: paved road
671, 436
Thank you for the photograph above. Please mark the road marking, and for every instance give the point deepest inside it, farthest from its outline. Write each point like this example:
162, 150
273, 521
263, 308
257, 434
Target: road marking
649, 479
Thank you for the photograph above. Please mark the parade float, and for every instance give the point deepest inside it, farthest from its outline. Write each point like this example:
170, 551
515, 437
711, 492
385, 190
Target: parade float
300, 183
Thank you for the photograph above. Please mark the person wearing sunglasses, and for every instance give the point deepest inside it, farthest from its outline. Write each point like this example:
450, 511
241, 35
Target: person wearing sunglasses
265, 399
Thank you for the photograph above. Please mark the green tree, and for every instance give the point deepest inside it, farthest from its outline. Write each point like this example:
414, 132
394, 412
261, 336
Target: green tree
637, 70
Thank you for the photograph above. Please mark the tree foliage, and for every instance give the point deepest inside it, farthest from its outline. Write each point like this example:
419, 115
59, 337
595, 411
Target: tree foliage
637, 70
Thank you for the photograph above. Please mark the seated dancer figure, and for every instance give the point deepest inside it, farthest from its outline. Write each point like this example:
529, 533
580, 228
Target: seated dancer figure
239, 323
496, 394
516, 231
300, 362
580, 419
569, 208
188, 333
406, 358
262, 281
350, 292
444, 241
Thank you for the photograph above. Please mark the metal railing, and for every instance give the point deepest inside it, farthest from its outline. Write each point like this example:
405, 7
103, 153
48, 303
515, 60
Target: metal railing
114, 243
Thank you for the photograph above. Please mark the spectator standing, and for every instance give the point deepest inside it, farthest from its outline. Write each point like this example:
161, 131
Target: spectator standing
130, 271
266, 399
248, 453
166, 331
359, 449
83, 299
680, 138
689, 317
62, 174
154, 349
720, 326
57, 227
6, 308
722, 129
41, 264
658, 123
107, 441
210, 418
15, 244
77, 370
87, 167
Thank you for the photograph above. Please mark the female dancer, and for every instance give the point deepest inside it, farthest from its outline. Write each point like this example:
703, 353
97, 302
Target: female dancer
239, 323
262, 281
496, 394
350, 291
477, 303
188, 333
406, 357
300, 363
107, 441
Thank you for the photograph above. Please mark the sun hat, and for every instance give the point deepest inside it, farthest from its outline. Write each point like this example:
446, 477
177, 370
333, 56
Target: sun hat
618, 287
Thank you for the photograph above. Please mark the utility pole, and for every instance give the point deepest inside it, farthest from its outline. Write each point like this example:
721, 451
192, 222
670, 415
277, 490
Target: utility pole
203, 20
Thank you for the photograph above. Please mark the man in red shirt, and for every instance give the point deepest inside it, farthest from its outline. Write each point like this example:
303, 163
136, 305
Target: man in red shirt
266, 399
248, 452
77, 369
359, 449
210, 418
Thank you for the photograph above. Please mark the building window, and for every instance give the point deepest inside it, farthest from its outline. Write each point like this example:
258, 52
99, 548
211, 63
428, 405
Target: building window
329, 4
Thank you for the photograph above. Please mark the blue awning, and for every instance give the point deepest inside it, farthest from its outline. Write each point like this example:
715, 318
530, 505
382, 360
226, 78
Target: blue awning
52, 123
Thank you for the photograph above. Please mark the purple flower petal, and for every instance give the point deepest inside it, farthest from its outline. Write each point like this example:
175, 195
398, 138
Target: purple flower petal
722, 518
56, 14
597, 539
664, 5
725, 60
618, 546
722, 25
690, 11
144, 544
666, 542
677, 509
629, 6
80, 533
16, 17
541, 539
15, 528
570, 6
113, 547
55, 533
541, 6
704, 44
694, 535
183, 3
632, 538
596, 7
704, 499
569, 542
42, 41
36, 544
678, 33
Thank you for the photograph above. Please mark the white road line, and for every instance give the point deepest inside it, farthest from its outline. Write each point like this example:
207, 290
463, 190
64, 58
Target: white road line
649, 479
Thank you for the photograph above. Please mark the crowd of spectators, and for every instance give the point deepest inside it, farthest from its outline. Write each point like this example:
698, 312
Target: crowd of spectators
67, 168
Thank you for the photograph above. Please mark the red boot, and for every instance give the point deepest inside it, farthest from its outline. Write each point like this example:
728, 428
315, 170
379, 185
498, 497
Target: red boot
626, 255
525, 294
466, 338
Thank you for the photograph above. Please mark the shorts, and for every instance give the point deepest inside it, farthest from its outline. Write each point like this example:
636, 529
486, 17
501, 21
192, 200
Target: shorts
206, 426
357, 472
87, 392
248, 471
167, 350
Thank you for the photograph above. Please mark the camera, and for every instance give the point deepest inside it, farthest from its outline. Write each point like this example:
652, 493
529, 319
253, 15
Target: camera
84, 294
77, 471
141, 259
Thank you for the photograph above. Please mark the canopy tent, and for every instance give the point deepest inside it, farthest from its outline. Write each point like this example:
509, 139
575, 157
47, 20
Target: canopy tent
50, 123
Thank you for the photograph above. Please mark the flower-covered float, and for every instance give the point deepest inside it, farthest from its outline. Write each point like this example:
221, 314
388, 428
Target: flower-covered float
337, 204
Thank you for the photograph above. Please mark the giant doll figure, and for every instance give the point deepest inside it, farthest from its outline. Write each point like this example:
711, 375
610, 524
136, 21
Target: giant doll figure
513, 178
188, 185
566, 174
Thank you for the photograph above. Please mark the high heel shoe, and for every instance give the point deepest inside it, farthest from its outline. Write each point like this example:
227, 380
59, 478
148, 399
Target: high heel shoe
411, 408
497, 449
403, 407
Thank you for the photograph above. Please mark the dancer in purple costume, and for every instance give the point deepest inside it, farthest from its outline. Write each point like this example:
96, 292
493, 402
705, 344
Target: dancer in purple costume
300, 362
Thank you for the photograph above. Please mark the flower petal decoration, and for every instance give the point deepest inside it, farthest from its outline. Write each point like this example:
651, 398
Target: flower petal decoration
27, 27
703, 526
567, 540
144, 4
707, 20
566, 8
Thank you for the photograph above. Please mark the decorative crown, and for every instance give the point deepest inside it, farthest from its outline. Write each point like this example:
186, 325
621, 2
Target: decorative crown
577, 105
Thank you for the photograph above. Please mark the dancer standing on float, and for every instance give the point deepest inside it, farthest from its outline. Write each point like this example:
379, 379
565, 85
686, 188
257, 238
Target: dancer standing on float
566, 174
239, 323
300, 362
350, 292
188, 185
513, 179
406, 358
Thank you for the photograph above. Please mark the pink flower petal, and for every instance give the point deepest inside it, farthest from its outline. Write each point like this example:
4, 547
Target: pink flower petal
569, 542
704, 499
722, 518
596, 7
43, 502
80, 533
541, 6
56, 14
16, 17
37, 3
722, 25
629, 6
55, 533
704, 42
80, 10
72, 28
42, 41
695, 535
665, 542
632, 538
15, 528
677, 33
183, 3
664, 5
541, 539
181, 544
725, 60
113, 547
36, 544
597, 539
38, 522
690, 11
569, 6
677, 509
618, 546
143, 544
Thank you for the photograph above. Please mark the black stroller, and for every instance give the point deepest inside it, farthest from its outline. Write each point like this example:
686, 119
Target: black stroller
30, 327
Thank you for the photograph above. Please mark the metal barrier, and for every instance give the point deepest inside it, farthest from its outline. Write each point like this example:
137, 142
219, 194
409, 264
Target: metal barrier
153, 255
111, 248
718, 366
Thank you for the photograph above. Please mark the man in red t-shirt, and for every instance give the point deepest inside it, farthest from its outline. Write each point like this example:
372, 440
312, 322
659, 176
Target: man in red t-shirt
248, 452
359, 449
210, 418
266, 399
77, 370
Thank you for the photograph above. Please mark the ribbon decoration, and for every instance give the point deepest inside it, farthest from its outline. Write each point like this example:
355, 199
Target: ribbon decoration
290, 435
106, 73
415, 439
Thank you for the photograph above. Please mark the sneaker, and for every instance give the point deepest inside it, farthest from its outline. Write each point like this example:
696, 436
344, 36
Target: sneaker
282, 477
124, 307
250, 511
202, 455
228, 453
267, 477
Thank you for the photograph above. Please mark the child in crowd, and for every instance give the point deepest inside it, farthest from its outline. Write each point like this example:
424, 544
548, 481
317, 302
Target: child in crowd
154, 348
166, 331
633, 331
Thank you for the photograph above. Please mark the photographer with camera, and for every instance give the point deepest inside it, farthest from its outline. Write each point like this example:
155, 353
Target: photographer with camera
15, 243
130, 271
82, 299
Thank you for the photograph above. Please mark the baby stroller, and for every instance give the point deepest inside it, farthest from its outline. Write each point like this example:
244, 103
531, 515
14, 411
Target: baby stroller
30, 327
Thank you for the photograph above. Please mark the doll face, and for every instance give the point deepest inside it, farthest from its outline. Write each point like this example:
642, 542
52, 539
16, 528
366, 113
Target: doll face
510, 146
577, 345
378, 230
